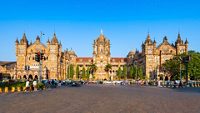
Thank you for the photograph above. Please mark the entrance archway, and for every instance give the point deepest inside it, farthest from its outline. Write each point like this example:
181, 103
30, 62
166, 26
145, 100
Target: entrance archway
30, 77
166, 78
24, 77
36, 77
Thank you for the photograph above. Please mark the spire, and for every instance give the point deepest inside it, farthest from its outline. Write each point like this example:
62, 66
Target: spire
54, 40
179, 38
148, 39
101, 37
178, 41
48, 41
186, 41
37, 38
17, 41
154, 41
148, 36
24, 39
165, 38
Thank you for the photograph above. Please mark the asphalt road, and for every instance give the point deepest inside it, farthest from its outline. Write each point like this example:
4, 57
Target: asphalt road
103, 99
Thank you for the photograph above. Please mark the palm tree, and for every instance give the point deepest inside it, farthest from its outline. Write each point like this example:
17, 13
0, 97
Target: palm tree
93, 69
108, 68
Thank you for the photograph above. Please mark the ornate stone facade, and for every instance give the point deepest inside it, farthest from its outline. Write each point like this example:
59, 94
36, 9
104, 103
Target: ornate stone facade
27, 67
56, 63
152, 56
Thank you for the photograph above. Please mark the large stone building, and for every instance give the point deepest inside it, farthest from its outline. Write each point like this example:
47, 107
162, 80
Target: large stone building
152, 56
56, 63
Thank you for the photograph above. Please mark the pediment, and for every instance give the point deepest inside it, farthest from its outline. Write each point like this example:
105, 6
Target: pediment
36, 47
166, 49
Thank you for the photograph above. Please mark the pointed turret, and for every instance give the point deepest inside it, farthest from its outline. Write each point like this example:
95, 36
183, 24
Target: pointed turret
178, 41
38, 38
154, 41
165, 39
186, 41
148, 40
48, 41
17, 41
24, 39
54, 40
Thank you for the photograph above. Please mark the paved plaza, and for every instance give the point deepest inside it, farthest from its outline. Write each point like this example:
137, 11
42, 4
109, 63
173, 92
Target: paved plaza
103, 99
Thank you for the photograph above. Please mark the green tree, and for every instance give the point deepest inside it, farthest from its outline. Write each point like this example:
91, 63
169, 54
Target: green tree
119, 73
83, 73
77, 71
130, 72
140, 73
172, 67
108, 67
87, 73
93, 68
70, 71
194, 65
124, 72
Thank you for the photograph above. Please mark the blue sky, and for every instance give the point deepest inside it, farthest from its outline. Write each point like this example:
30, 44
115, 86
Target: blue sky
78, 22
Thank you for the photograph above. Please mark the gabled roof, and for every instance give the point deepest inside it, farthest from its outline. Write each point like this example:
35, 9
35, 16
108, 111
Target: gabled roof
54, 39
165, 42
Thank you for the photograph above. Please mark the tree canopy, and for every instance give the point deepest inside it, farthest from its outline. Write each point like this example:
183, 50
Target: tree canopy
175, 65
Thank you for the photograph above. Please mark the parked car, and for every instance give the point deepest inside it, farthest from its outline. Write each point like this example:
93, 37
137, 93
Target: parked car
74, 84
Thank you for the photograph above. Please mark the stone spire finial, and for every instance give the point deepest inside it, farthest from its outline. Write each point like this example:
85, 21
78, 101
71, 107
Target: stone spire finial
17, 41
186, 41
148, 39
48, 41
37, 38
24, 39
54, 40
178, 41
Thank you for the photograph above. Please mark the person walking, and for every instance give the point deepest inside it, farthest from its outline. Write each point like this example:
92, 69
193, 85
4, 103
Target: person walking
27, 85
35, 85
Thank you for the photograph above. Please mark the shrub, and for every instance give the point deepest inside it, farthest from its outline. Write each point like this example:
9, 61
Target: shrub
40, 86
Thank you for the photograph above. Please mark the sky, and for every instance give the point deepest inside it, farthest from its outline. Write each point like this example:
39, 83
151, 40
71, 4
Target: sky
78, 22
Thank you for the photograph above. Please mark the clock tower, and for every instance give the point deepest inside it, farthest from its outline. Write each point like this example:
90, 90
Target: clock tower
101, 56
149, 51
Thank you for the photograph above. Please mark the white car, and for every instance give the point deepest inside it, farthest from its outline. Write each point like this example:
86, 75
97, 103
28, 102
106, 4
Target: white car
117, 82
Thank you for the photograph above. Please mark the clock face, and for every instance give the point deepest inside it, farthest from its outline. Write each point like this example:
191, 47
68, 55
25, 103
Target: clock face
165, 49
